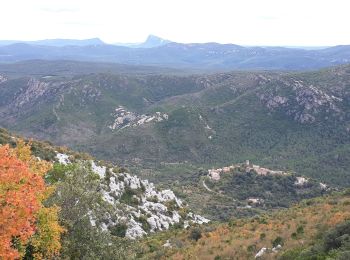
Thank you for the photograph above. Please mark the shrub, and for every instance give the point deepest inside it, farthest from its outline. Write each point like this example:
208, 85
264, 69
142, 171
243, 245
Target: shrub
58, 172
171, 205
119, 230
251, 248
291, 254
153, 199
300, 230
232, 223
128, 197
195, 234
337, 237
277, 241
145, 225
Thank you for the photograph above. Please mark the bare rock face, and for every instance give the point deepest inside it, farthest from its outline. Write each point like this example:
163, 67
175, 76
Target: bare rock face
124, 118
89, 93
276, 102
137, 204
301, 101
34, 90
149, 211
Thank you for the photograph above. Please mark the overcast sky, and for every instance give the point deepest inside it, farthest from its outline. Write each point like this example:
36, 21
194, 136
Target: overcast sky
245, 22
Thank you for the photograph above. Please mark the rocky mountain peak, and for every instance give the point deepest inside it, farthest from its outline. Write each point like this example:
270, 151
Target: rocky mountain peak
153, 41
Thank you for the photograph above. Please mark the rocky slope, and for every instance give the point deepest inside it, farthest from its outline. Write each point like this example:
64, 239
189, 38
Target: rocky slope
137, 206
304, 102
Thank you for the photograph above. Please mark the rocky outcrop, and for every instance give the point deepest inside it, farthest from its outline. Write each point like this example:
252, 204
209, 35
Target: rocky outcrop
266, 250
124, 118
301, 181
146, 209
137, 204
62, 158
303, 102
34, 90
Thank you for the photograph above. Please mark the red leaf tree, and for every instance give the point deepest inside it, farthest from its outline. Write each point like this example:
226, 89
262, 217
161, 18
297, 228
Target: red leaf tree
22, 190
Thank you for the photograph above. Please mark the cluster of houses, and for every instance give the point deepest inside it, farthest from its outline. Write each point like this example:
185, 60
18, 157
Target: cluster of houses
214, 174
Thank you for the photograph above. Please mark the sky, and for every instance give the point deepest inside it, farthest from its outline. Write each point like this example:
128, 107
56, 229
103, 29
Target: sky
244, 22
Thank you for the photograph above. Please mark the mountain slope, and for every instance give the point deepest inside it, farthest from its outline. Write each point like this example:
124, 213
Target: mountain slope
101, 207
111, 197
285, 234
289, 121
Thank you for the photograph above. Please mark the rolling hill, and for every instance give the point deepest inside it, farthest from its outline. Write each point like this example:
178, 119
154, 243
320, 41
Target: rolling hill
288, 121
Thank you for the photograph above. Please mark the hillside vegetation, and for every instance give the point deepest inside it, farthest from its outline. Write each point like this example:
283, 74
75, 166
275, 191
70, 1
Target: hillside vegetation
313, 229
238, 193
74, 207
101, 209
290, 121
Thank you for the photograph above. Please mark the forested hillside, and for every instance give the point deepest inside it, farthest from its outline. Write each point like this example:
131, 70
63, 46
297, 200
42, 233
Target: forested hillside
291, 121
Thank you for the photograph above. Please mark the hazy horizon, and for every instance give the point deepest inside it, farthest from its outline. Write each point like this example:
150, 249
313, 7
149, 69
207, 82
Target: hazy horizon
144, 40
247, 23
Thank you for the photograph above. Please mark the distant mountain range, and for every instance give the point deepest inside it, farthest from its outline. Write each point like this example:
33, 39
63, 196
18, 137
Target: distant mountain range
151, 42
159, 52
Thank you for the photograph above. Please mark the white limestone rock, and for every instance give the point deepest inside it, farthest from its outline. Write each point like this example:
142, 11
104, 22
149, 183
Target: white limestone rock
148, 203
63, 158
124, 118
198, 219
323, 186
276, 248
261, 252
100, 170
301, 181
134, 230
167, 244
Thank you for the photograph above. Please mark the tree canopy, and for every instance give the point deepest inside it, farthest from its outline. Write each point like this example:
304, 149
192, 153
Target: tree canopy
26, 225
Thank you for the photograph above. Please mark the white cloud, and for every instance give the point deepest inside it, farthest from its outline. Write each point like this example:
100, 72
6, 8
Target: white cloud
250, 22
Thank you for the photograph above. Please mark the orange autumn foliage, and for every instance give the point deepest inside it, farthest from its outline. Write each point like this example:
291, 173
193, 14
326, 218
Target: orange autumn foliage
22, 191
